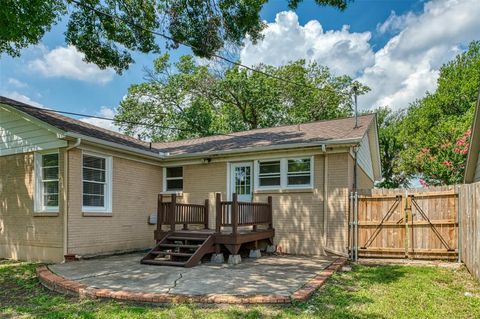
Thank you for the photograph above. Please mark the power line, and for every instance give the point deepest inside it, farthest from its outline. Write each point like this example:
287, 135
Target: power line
167, 37
132, 122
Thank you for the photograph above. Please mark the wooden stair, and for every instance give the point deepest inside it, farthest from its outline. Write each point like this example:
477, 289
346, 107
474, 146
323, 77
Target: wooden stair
180, 249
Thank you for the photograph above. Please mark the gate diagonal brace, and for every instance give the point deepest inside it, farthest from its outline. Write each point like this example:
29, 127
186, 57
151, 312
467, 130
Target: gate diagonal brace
435, 230
377, 230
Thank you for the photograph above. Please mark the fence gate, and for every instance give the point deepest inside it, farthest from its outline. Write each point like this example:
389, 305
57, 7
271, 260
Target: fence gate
407, 224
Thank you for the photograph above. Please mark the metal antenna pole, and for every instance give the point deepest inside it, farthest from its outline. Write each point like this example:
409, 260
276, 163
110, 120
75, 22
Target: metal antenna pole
355, 95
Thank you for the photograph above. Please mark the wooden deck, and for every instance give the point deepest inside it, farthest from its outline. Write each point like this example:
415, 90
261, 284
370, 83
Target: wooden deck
237, 225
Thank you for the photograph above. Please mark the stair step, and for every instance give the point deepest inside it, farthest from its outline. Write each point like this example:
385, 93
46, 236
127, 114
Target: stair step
178, 246
167, 253
186, 238
163, 262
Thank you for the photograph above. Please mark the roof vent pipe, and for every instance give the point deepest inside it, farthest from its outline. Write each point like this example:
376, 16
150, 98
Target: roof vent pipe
355, 94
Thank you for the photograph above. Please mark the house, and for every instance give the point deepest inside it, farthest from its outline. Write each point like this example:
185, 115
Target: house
68, 187
472, 168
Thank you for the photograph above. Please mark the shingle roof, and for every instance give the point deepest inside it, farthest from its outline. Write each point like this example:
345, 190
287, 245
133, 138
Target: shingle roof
69, 124
328, 132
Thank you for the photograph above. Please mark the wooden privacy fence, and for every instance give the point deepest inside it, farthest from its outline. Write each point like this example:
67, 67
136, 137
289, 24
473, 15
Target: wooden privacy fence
402, 223
469, 219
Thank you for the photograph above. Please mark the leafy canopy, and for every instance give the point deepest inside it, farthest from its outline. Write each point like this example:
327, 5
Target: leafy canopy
183, 99
433, 134
108, 31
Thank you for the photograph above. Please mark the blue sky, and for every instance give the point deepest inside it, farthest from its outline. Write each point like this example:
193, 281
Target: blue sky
397, 54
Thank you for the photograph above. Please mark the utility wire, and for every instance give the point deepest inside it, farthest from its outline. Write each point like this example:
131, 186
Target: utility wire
167, 37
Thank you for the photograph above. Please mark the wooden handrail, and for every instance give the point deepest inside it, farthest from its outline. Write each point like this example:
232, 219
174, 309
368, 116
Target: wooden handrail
173, 213
234, 213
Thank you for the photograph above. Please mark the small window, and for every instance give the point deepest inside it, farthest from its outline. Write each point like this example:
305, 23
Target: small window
269, 173
298, 173
47, 194
96, 183
174, 179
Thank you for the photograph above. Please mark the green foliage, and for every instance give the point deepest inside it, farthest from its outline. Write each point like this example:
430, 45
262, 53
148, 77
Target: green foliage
24, 22
108, 31
390, 147
202, 101
435, 129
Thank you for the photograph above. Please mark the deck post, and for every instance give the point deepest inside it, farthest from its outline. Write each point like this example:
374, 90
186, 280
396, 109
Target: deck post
205, 212
270, 212
218, 212
173, 208
234, 213
160, 212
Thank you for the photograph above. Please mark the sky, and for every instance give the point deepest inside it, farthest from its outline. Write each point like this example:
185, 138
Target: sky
396, 47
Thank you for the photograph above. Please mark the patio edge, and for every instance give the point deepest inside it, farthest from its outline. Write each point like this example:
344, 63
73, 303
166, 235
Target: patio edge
60, 284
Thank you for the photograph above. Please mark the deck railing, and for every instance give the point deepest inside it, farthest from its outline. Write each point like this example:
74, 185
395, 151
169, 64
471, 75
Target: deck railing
173, 213
234, 213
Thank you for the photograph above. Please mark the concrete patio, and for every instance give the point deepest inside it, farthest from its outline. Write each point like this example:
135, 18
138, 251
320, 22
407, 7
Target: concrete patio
278, 275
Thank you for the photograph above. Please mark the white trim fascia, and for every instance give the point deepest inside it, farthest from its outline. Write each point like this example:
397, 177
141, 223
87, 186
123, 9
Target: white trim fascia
114, 145
346, 142
107, 209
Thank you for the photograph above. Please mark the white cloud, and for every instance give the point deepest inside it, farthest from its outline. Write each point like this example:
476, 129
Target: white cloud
15, 95
16, 83
68, 62
407, 66
400, 72
104, 112
286, 40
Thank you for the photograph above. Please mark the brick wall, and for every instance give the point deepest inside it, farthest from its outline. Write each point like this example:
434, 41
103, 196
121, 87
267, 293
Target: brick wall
24, 234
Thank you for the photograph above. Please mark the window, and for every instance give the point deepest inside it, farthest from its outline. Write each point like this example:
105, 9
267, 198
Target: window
96, 172
173, 179
284, 173
269, 173
298, 172
47, 185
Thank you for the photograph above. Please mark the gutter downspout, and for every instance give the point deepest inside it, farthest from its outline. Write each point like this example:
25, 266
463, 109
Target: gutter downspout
65, 196
355, 205
325, 196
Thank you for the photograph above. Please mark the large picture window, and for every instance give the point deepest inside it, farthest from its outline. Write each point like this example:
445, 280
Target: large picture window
96, 172
284, 173
174, 179
47, 182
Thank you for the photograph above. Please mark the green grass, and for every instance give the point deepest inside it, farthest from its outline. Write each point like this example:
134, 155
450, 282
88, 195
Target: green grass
364, 292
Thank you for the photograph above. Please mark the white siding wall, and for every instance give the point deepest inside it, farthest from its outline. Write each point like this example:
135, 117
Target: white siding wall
20, 135
365, 157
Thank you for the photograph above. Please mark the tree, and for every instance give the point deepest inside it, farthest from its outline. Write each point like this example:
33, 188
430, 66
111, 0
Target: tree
435, 131
183, 99
390, 148
108, 31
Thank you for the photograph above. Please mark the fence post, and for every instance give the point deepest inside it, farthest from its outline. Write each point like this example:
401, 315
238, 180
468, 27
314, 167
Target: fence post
218, 212
234, 213
205, 216
160, 212
270, 212
173, 208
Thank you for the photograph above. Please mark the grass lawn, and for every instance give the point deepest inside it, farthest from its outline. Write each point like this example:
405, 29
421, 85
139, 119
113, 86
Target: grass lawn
364, 292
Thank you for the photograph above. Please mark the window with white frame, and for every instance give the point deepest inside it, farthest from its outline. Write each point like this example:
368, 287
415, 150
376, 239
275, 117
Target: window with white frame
97, 194
269, 173
298, 172
284, 173
47, 182
173, 179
